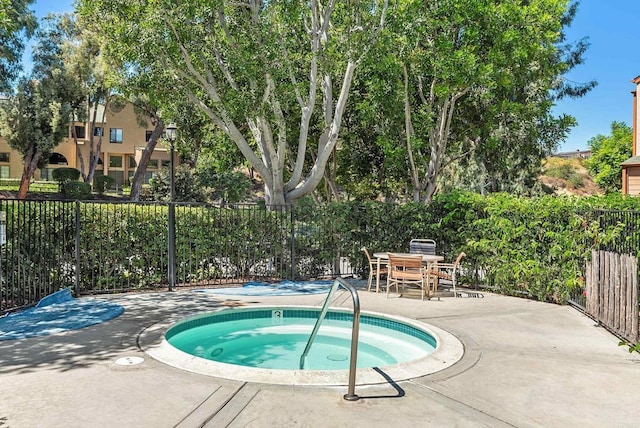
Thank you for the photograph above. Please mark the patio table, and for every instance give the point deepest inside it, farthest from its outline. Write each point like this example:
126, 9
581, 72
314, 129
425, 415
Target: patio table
431, 261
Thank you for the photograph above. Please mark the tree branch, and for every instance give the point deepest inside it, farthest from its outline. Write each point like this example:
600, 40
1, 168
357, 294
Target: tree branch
204, 83
223, 68
281, 123
409, 135
317, 171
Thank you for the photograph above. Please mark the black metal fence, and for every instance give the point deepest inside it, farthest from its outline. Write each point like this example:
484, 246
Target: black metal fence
620, 234
623, 227
37, 252
99, 247
611, 293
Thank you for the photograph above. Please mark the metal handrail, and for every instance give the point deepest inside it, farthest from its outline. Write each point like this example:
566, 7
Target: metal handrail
355, 329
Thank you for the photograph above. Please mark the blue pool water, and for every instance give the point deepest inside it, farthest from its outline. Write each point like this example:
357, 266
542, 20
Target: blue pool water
276, 338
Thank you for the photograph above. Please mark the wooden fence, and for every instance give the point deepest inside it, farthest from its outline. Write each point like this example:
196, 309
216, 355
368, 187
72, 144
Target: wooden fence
612, 292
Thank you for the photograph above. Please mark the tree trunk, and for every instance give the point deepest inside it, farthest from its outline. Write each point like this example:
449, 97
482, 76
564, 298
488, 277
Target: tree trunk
79, 156
409, 131
138, 177
438, 141
30, 166
94, 155
274, 196
94, 148
328, 140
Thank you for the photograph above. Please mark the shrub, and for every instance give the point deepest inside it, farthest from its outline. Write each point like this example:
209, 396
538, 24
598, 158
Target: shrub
523, 246
226, 186
576, 181
65, 175
563, 171
102, 183
186, 186
77, 190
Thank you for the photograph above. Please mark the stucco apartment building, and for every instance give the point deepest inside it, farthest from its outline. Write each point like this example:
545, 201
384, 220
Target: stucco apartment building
123, 140
631, 167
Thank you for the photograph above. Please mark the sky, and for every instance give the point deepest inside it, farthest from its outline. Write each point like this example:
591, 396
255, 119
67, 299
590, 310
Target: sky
613, 59
611, 27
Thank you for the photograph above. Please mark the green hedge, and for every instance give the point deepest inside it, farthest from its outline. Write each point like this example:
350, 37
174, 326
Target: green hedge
64, 176
125, 245
535, 247
38, 256
523, 246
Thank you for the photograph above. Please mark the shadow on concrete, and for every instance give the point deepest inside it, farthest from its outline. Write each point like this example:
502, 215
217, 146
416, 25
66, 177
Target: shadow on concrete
400, 392
102, 343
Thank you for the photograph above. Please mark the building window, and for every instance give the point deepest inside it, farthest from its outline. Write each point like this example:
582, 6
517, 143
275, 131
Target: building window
118, 177
147, 135
4, 171
115, 161
57, 159
4, 157
132, 161
79, 131
97, 131
46, 174
115, 135
153, 164
166, 163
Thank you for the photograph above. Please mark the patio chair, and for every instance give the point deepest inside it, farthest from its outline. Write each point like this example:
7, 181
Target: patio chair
422, 246
447, 272
403, 269
373, 268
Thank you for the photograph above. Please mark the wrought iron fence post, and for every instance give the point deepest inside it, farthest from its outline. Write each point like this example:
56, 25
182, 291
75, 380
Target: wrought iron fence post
77, 252
172, 246
3, 240
293, 246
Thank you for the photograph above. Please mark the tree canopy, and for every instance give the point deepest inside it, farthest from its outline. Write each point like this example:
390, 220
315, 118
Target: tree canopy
253, 67
35, 120
407, 99
607, 153
459, 92
17, 21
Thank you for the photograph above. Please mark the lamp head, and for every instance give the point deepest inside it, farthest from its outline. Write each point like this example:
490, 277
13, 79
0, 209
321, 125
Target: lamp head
171, 132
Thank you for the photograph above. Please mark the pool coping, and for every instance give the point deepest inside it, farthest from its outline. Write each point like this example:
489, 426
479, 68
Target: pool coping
449, 350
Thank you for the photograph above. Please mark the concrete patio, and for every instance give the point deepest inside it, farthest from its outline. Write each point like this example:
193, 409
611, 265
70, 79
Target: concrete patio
526, 364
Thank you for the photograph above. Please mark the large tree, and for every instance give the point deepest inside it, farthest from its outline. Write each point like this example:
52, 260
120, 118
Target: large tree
111, 75
474, 81
607, 153
16, 22
88, 69
35, 120
252, 67
146, 108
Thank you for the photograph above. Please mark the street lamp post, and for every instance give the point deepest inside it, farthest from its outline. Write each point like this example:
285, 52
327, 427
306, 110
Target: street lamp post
171, 134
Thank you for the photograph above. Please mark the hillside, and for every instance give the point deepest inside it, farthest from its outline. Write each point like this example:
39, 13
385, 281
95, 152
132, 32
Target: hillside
567, 177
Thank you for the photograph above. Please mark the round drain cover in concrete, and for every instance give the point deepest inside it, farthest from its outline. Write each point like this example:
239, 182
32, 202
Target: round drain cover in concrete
129, 361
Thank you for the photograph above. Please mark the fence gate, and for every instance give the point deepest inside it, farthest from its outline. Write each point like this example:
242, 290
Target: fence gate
612, 292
